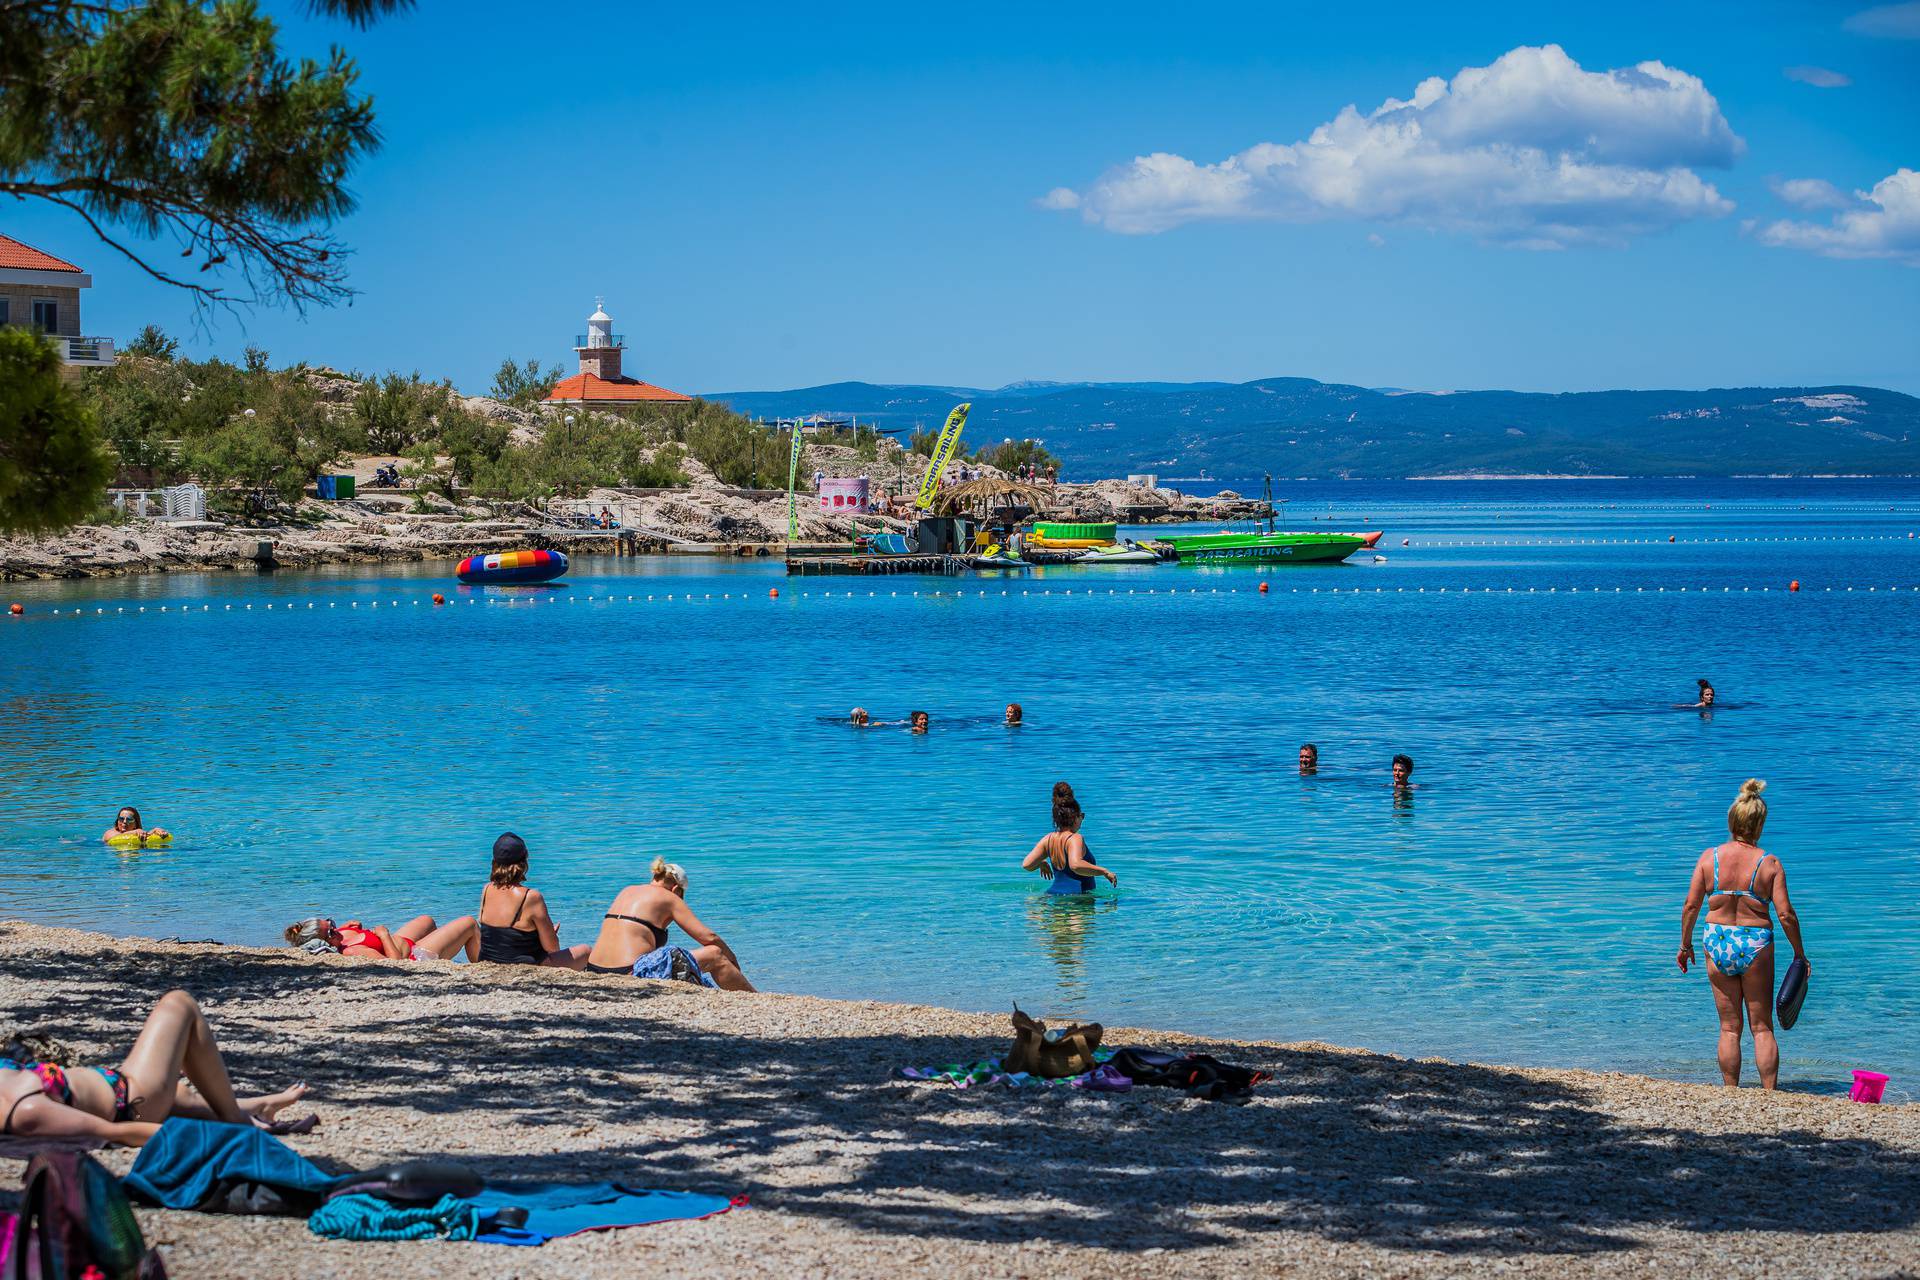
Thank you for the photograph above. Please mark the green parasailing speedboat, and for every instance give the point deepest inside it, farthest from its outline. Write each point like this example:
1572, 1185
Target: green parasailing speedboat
1268, 548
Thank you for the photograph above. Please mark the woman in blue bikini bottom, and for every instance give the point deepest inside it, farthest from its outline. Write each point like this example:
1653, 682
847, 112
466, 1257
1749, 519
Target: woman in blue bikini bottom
1740, 942
44, 1100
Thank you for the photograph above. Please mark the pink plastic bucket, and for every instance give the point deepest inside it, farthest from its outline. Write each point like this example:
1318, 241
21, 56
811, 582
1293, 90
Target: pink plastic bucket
1868, 1086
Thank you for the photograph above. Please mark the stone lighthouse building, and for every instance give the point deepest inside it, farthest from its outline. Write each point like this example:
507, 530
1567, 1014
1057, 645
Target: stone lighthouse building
601, 383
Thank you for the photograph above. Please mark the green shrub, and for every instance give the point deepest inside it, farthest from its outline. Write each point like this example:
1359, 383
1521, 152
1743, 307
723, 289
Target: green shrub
523, 385
54, 466
396, 413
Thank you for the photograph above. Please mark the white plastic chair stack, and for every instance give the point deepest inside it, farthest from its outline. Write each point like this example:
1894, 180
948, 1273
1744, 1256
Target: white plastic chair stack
186, 502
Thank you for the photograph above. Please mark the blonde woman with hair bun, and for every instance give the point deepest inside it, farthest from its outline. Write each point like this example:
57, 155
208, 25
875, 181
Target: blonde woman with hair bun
1737, 882
633, 935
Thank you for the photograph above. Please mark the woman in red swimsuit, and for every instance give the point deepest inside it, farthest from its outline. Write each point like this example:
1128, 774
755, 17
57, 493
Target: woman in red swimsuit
45, 1100
417, 939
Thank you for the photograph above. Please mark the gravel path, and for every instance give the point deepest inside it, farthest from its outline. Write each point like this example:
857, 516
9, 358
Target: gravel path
1346, 1163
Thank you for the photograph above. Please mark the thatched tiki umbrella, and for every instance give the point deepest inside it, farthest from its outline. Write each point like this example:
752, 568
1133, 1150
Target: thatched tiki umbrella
989, 492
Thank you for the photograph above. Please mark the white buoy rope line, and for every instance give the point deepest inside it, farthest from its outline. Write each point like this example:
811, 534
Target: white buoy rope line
1265, 587
1417, 542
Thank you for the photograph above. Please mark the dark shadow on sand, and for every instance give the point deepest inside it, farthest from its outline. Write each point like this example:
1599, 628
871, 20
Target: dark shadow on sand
1457, 1159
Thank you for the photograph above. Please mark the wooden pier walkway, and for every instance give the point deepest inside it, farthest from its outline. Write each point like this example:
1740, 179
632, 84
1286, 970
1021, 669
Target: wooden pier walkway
871, 562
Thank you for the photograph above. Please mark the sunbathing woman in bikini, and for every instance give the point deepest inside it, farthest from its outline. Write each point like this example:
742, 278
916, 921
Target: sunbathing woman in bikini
514, 925
417, 939
43, 1100
636, 925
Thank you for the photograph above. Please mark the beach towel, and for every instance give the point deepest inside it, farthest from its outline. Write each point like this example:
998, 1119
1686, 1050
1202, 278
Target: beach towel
364, 1217
558, 1209
968, 1075
671, 963
225, 1168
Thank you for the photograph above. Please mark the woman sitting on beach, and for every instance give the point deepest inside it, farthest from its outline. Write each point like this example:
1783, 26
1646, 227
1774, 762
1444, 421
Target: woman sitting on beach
1062, 855
126, 1105
1739, 938
417, 939
520, 931
127, 827
635, 929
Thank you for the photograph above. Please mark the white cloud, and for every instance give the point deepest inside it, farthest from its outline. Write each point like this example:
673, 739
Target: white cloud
1881, 223
1818, 77
1810, 193
1059, 198
1887, 22
1377, 240
1531, 151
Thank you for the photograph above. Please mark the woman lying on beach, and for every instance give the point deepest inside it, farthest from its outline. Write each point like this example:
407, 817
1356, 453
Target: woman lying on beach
513, 925
1062, 855
1739, 938
127, 827
126, 1105
636, 923
417, 939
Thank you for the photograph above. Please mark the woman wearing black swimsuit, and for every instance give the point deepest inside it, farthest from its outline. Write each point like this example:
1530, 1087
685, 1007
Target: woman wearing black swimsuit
636, 924
44, 1100
514, 926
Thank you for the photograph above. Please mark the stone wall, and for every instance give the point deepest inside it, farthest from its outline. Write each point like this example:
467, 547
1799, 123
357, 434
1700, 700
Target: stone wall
19, 299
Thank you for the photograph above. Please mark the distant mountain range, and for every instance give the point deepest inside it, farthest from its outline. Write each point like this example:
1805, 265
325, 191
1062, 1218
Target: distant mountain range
1297, 427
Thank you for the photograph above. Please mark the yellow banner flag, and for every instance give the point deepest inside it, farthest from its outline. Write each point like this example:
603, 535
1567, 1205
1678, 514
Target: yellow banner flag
942, 454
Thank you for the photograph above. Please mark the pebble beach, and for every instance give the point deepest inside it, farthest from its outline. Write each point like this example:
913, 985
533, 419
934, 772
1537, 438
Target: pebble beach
1346, 1163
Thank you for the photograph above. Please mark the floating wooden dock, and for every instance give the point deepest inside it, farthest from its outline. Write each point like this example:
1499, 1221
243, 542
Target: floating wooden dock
871, 562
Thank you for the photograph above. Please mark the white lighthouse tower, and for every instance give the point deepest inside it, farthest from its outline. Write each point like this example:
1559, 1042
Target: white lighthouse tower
599, 347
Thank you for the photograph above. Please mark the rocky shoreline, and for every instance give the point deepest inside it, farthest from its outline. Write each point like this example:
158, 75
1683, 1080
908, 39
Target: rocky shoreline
1344, 1163
706, 517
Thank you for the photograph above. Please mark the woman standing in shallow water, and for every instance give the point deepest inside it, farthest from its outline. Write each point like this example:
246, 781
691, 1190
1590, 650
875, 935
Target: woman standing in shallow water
1062, 855
1737, 881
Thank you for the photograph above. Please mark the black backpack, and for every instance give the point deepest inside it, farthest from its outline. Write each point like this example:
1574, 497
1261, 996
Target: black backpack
74, 1223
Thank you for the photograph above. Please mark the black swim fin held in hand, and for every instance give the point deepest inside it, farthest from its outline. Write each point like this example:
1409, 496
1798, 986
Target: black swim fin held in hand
1793, 991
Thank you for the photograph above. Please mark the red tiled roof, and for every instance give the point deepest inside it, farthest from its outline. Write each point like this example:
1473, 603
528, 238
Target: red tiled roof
591, 387
24, 257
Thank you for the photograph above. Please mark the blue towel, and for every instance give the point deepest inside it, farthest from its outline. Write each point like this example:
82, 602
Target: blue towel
556, 1209
662, 962
189, 1162
364, 1217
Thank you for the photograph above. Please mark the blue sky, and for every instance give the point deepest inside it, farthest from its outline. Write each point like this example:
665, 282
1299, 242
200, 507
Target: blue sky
782, 196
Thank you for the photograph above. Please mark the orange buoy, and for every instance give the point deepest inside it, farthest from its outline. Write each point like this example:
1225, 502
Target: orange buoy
1263, 588
1794, 585
16, 610
773, 593
438, 598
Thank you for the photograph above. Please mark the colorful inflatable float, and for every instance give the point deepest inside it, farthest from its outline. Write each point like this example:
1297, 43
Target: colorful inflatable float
512, 568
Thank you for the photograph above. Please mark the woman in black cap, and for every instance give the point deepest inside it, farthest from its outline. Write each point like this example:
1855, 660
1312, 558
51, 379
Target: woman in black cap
514, 925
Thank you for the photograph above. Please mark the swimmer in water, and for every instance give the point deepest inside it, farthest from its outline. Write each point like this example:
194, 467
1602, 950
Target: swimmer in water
1309, 759
1706, 698
1402, 773
127, 824
1013, 714
920, 722
858, 717
1062, 855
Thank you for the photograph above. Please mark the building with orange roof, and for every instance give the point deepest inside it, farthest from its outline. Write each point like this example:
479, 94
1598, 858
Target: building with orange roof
600, 384
42, 291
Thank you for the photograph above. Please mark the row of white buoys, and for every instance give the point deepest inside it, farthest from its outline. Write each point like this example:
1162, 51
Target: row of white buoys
1648, 542
17, 610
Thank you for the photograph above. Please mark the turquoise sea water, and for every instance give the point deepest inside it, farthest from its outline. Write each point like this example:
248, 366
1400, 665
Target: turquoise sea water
354, 750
